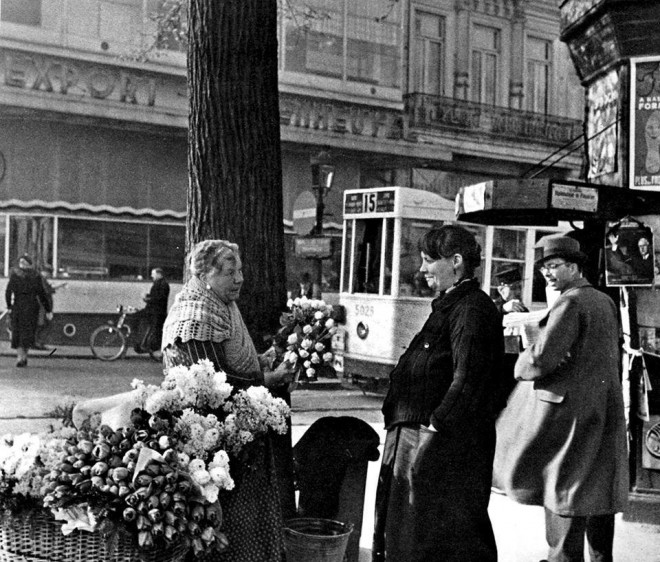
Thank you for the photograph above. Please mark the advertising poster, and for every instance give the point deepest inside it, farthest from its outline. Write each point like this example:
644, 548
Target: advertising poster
602, 128
645, 124
629, 255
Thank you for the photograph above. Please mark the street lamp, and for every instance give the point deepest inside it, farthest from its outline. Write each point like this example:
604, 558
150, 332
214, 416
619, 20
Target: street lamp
323, 174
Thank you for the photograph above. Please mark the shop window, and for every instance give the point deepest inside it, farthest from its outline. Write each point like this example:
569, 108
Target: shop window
23, 12
508, 253
31, 235
90, 249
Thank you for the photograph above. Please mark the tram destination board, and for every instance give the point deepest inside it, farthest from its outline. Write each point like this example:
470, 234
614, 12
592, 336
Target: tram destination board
369, 202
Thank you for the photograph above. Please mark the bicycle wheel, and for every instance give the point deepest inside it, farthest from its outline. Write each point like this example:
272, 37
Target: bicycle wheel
108, 343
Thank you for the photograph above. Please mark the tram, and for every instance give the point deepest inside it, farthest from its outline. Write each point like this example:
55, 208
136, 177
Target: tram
384, 296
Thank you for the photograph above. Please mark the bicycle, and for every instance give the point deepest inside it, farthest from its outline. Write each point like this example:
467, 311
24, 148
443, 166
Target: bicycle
110, 341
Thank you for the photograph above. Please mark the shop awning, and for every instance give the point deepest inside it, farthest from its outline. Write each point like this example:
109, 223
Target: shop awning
546, 202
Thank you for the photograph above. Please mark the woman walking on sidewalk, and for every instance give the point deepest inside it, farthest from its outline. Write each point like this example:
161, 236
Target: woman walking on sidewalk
23, 294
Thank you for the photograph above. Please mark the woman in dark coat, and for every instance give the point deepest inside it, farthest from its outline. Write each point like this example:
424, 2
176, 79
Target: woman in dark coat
24, 292
440, 410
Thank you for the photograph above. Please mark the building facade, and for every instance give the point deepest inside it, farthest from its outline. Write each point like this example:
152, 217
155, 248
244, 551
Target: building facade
433, 94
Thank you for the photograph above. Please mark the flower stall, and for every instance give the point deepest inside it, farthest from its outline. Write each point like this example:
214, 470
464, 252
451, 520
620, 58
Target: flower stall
150, 491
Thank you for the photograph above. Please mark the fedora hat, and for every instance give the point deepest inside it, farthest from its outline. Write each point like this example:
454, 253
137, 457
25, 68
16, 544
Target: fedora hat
558, 246
509, 276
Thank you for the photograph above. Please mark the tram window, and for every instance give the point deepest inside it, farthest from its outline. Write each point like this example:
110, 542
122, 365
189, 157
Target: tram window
411, 283
369, 234
346, 265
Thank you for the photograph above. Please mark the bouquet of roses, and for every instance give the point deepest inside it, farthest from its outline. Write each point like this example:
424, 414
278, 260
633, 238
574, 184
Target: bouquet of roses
159, 479
306, 335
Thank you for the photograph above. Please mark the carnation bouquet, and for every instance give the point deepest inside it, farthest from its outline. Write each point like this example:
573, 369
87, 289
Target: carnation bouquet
306, 335
159, 479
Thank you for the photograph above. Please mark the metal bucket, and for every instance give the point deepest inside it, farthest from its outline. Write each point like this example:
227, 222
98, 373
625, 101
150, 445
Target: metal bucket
308, 539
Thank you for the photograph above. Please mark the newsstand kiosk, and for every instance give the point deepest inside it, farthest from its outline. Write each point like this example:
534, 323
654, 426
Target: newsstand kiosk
596, 211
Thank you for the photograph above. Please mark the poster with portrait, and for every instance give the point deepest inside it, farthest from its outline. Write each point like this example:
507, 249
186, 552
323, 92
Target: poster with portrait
602, 124
645, 124
629, 255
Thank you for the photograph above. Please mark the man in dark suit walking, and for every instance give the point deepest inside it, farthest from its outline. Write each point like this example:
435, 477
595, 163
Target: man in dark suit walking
154, 314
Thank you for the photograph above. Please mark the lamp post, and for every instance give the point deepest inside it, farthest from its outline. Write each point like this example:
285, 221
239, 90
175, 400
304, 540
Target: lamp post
323, 173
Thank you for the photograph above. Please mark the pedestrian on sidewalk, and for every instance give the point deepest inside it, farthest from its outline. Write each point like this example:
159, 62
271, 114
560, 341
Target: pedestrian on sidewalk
23, 294
151, 318
561, 441
444, 396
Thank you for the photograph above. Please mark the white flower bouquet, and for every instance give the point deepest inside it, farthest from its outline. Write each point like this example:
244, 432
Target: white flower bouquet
160, 478
306, 335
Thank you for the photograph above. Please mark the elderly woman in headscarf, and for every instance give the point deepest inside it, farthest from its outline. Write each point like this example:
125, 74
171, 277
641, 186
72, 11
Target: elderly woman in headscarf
25, 290
205, 323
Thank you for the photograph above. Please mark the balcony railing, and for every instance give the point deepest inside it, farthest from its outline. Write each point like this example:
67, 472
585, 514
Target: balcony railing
427, 111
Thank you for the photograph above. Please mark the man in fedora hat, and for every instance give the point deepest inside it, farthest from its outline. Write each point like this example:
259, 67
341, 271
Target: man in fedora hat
509, 288
561, 440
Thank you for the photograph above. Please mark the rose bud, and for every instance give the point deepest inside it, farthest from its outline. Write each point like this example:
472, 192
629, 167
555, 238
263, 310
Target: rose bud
164, 442
81, 456
170, 532
184, 486
164, 499
170, 456
120, 473
198, 545
142, 492
172, 477
99, 469
155, 515
97, 481
71, 449
132, 500
159, 481
208, 535
179, 508
105, 488
86, 470
179, 497
158, 529
143, 480
101, 451
181, 526
67, 467
114, 490
214, 513
78, 464
142, 522
129, 456
115, 461
194, 529
145, 539
142, 507
129, 514
170, 518
153, 501
106, 430
197, 513
124, 491
116, 437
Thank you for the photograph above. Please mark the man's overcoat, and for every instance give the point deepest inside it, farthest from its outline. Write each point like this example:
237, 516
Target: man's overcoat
561, 440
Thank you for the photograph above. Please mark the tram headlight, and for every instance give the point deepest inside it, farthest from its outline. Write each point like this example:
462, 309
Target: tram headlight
362, 331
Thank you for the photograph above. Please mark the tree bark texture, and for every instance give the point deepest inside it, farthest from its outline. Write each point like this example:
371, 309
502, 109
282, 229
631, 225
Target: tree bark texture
234, 158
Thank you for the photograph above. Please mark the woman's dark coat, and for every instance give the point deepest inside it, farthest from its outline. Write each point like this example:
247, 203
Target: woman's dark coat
25, 290
435, 486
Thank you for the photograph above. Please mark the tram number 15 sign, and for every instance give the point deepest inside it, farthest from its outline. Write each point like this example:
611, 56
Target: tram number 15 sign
369, 202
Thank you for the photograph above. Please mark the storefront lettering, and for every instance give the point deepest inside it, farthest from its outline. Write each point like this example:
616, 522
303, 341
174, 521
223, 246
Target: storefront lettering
380, 123
49, 75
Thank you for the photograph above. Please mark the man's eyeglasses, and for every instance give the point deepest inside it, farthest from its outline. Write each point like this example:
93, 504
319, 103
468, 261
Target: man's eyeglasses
551, 267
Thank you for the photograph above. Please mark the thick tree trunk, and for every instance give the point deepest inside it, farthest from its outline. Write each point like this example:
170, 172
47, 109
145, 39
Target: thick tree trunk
235, 189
